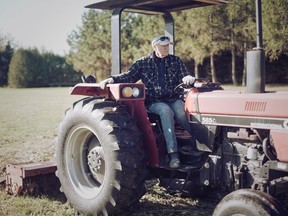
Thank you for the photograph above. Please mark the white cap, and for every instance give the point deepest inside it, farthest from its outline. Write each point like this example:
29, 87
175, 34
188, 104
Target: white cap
162, 40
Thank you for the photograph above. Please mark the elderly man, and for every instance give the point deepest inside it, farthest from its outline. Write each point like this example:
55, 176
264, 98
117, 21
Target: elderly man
161, 73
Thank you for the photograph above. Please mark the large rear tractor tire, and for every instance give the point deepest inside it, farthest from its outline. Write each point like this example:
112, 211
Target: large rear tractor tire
247, 202
100, 158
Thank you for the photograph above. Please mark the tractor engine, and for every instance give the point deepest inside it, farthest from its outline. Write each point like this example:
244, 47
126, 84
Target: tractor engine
242, 158
246, 158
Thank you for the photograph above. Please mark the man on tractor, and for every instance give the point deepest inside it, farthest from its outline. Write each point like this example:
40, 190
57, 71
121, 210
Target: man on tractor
161, 72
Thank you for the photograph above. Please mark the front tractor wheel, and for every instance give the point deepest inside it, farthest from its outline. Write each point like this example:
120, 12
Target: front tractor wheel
247, 202
100, 158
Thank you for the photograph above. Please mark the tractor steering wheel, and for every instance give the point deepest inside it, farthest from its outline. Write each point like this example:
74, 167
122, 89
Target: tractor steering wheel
182, 88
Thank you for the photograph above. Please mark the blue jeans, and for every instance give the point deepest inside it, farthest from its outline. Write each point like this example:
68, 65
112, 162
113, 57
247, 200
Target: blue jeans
168, 112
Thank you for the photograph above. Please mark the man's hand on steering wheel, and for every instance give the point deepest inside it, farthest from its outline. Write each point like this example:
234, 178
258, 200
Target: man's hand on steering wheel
188, 80
187, 83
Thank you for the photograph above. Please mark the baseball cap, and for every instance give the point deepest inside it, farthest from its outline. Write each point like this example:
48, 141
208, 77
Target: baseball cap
161, 39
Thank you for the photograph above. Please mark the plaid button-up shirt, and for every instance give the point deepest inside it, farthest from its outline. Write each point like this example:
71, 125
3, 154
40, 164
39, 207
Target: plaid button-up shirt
160, 76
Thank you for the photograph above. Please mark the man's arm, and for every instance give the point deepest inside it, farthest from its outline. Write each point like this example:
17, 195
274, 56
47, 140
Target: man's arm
131, 76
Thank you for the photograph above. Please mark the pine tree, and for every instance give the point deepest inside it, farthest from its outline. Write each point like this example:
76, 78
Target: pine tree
5, 58
90, 45
275, 27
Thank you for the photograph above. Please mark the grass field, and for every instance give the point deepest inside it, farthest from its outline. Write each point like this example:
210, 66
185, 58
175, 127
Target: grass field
29, 119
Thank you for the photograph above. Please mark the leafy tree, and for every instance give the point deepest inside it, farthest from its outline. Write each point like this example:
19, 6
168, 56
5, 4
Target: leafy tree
219, 34
59, 71
19, 74
69, 75
206, 32
135, 42
90, 45
205, 37
275, 27
30, 68
187, 44
37, 66
5, 58
26, 69
241, 17
203, 33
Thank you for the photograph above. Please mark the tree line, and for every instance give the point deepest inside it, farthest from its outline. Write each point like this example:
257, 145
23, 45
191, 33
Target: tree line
212, 41
21, 68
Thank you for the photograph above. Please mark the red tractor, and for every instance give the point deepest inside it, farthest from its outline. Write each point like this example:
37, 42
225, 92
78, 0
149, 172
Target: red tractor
108, 144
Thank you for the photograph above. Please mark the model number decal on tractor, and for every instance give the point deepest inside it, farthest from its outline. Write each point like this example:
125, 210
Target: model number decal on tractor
209, 120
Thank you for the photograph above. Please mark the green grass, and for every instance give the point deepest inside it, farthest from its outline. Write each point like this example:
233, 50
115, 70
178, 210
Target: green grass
29, 119
24, 205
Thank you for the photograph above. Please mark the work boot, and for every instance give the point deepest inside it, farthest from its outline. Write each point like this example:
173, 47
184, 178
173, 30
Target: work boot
174, 160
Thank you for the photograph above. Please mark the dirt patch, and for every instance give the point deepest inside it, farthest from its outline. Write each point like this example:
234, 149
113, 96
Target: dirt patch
159, 202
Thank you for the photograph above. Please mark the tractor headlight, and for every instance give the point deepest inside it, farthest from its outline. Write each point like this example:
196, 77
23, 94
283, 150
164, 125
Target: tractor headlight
132, 91
127, 92
135, 92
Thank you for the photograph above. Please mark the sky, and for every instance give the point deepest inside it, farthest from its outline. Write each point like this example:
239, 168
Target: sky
41, 24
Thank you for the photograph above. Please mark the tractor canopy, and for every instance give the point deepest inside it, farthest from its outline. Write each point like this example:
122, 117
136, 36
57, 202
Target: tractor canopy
146, 5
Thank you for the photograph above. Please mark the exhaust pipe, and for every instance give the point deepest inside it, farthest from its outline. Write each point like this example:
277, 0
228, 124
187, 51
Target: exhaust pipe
256, 59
